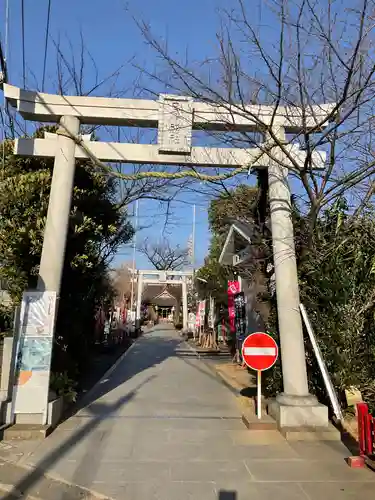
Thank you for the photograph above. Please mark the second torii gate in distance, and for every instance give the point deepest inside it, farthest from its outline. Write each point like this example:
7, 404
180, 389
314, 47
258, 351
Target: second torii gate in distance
176, 117
156, 277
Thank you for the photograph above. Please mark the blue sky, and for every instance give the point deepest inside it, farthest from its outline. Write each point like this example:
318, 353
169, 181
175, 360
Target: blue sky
114, 40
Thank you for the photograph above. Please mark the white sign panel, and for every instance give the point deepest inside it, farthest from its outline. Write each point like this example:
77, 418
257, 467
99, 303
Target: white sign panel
211, 314
202, 309
175, 124
34, 351
191, 321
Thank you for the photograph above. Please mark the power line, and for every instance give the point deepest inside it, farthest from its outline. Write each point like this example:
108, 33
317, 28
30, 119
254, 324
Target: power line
46, 43
23, 42
6, 54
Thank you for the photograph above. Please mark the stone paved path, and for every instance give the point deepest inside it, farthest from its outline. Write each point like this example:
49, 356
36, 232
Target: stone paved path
162, 426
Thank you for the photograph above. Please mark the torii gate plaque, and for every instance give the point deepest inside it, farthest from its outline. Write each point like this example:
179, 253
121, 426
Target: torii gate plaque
176, 117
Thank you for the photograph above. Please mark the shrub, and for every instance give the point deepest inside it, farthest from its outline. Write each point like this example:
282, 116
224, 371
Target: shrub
6, 319
337, 287
63, 386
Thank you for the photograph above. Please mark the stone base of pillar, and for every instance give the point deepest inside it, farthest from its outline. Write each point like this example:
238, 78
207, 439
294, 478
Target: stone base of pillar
302, 418
25, 432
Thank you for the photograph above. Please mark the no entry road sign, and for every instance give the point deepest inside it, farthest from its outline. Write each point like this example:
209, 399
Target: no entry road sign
259, 351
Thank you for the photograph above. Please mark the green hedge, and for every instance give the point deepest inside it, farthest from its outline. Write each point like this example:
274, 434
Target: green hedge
337, 287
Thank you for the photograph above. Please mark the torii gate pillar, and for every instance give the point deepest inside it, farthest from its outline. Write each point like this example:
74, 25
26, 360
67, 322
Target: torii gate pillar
57, 223
295, 406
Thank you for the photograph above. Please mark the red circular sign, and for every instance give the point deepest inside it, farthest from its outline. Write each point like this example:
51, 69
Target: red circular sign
259, 351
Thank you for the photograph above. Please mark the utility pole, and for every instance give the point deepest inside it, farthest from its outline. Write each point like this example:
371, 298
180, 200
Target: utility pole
192, 284
184, 304
193, 241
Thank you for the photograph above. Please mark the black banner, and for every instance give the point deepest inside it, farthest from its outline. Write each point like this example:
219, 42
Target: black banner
240, 315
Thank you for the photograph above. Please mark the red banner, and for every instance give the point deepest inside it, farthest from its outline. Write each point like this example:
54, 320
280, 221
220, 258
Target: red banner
233, 289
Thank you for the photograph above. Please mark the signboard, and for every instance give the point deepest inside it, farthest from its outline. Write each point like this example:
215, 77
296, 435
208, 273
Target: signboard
211, 314
191, 321
240, 315
202, 308
175, 124
259, 352
34, 351
201, 311
198, 320
233, 289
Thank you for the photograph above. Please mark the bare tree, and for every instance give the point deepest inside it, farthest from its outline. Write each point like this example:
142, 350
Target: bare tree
301, 54
76, 73
122, 284
165, 257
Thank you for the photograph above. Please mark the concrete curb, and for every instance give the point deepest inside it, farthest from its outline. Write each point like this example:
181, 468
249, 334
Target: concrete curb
45, 486
82, 489
11, 491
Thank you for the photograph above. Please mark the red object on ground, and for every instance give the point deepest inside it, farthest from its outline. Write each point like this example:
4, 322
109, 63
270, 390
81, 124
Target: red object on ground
366, 437
356, 462
259, 351
366, 430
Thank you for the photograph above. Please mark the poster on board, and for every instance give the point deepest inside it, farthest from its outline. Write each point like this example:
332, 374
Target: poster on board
34, 352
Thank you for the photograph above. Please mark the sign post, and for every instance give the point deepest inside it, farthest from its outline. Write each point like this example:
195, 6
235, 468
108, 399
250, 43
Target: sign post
259, 394
259, 352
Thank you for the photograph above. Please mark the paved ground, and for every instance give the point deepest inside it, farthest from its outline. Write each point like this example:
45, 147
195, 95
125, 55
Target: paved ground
162, 426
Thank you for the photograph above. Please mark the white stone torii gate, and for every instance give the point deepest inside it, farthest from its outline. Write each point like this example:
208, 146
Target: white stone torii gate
175, 118
159, 278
